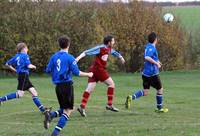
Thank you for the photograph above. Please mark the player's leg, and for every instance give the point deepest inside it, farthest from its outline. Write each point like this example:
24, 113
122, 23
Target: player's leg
62, 122
156, 83
65, 94
20, 88
110, 93
138, 93
11, 96
90, 88
36, 100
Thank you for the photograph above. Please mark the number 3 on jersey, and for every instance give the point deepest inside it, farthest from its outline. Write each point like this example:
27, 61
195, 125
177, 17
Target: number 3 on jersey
58, 64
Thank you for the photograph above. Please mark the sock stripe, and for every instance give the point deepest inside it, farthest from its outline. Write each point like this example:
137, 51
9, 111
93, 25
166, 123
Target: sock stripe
17, 96
57, 113
59, 128
6, 98
135, 96
34, 97
142, 93
41, 106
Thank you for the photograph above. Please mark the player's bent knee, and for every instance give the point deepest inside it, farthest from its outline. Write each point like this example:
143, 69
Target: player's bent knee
112, 85
20, 93
33, 91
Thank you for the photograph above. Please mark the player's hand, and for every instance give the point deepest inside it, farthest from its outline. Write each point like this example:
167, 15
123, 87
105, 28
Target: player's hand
33, 67
122, 60
158, 64
90, 74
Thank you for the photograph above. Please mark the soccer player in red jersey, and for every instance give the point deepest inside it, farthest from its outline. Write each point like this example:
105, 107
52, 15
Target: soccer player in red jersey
98, 68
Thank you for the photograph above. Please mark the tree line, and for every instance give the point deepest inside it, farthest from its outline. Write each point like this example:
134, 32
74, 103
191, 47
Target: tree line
39, 24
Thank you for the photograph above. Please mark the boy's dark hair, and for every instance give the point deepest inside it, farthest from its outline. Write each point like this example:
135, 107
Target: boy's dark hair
21, 46
152, 37
64, 41
107, 39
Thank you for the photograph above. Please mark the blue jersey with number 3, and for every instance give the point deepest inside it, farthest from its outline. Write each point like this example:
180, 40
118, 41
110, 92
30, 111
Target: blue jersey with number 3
61, 66
20, 61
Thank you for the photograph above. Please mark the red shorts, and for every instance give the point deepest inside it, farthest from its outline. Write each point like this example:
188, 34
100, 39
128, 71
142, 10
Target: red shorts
99, 74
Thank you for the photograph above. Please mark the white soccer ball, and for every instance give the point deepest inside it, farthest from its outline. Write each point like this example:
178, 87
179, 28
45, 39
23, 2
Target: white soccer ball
168, 17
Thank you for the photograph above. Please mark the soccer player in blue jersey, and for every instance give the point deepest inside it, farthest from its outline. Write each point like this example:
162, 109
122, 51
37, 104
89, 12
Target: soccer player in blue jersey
61, 67
150, 75
21, 64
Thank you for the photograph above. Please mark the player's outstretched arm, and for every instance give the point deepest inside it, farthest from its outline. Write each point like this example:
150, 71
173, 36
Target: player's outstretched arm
11, 68
90, 74
92, 51
117, 54
80, 56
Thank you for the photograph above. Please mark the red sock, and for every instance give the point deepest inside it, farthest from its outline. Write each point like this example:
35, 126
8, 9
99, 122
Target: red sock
110, 94
85, 98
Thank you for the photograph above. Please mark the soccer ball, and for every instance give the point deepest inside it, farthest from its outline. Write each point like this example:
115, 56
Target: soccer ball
168, 17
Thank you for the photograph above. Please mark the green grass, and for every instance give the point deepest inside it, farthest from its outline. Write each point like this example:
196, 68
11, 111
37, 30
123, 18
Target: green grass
21, 118
188, 15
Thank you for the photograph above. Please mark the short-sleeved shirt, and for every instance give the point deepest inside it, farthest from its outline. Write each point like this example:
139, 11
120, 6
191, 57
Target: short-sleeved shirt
150, 69
61, 66
20, 61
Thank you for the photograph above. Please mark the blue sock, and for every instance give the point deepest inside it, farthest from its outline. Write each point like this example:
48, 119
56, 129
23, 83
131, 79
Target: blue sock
138, 94
57, 113
159, 99
61, 123
9, 97
38, 103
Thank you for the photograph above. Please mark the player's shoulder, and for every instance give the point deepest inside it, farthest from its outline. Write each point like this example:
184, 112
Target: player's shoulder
70, 56
149, 46
23, 55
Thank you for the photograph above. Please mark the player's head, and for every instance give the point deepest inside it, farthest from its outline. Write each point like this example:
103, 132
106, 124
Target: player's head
22, 47
64, 42
109, 40
152, 38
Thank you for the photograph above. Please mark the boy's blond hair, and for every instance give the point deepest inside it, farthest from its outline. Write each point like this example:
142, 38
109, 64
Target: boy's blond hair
21, 46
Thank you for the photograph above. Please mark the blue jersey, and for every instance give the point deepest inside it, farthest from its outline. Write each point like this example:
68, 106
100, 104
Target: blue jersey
61, 66
150, 69
20, 61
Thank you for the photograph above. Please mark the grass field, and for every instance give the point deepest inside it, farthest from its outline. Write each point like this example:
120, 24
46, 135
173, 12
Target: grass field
21, 118
188, 15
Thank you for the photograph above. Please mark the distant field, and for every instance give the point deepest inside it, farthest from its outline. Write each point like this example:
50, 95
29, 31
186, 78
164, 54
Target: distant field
182, 97
189, 16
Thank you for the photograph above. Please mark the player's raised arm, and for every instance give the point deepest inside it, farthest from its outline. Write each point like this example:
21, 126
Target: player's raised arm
118, 55
92, 51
